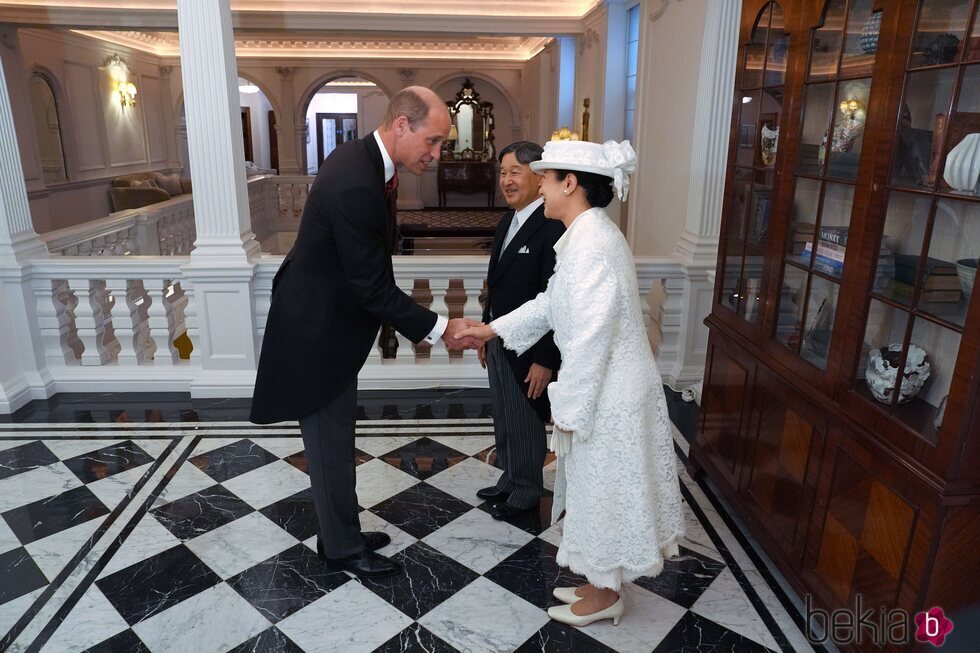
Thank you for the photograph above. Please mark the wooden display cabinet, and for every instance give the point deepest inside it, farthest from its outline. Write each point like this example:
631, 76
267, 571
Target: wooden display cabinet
845, 255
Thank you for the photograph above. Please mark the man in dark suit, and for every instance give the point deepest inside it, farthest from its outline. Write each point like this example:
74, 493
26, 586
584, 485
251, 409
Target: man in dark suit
521, 263
331, 294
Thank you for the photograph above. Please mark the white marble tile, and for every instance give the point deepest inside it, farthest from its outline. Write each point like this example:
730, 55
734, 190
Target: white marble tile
485, 617
351, 619
785, 622
243, 543
371, 522
378, 445
10, 444
37, 484
145, 541
377, 481
209, 443
695, 537
281, 447
55, 551
725, 603
188, 480
214, 621
91, 621
463, 479
647, 620
267, 484
69, 448
154, 447
380, 432
478, 540
11, 611
468, 444
113, 489
8, 541
552, 534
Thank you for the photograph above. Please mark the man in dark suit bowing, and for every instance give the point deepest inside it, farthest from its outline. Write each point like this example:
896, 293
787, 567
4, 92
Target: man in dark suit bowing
331, 294
521, 262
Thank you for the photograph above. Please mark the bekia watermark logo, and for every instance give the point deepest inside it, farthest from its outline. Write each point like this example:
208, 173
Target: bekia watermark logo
932, 627
879, 627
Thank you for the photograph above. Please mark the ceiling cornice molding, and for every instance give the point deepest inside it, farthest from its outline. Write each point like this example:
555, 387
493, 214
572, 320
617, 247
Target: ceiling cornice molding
114, 18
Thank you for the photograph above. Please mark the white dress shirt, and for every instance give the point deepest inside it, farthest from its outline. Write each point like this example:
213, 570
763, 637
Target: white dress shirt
441, 321
520, 217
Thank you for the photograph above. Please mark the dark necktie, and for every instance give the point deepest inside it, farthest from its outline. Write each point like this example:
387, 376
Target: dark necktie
391, 185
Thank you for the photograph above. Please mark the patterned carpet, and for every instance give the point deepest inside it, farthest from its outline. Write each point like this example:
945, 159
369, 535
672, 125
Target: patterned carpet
452, 218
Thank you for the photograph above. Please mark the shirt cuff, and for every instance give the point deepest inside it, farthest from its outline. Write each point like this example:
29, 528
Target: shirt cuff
440, 328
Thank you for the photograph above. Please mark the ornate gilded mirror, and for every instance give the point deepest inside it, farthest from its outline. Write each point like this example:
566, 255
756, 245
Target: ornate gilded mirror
472, 135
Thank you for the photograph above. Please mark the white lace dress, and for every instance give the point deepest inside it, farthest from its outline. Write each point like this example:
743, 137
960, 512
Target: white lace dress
620, 485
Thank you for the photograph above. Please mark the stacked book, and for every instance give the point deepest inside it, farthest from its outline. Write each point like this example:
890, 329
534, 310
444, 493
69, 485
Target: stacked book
801, 233
940, 285
829, 251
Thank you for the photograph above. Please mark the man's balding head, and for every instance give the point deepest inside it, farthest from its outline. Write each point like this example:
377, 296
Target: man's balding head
415, 125
413, 102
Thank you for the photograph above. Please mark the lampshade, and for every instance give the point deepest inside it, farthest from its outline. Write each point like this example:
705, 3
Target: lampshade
453, 134
245, 86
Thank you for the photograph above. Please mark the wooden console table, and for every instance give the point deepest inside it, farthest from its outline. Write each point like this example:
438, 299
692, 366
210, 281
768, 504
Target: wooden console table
467, 177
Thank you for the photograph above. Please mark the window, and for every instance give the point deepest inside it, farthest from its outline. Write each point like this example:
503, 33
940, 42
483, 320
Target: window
632, 51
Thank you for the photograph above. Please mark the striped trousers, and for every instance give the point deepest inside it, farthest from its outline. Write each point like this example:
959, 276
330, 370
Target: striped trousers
518, 431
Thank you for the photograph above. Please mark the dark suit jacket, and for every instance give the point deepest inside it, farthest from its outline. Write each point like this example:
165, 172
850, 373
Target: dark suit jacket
333, 290
516, 278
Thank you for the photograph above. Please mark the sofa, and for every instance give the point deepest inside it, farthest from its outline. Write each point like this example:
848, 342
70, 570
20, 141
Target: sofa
144, 188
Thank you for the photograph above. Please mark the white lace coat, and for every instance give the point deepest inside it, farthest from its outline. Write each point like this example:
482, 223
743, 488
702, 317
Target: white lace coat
622, 500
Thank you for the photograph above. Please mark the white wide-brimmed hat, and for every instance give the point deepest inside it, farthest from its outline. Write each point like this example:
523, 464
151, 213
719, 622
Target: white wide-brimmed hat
610, 159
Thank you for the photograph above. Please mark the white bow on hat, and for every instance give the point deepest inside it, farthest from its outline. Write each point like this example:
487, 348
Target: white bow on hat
622, 160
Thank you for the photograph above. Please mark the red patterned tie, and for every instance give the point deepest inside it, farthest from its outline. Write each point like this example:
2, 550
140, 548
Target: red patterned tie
391, 185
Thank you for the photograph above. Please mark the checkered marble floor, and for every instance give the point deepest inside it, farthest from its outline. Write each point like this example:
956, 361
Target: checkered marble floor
201, 539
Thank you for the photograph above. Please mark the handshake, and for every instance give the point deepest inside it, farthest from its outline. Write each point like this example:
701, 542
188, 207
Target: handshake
465, 333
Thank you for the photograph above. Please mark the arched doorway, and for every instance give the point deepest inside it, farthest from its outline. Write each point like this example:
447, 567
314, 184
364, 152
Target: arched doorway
259, 135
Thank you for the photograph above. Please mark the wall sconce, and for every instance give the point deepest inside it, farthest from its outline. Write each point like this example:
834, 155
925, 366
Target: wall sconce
565, 134
123, 91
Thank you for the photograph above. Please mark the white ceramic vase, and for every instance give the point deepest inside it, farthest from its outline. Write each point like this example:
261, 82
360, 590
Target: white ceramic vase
963, 165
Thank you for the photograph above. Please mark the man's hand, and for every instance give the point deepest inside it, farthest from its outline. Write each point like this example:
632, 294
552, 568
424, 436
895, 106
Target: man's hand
538, 377
457, 342
481, 353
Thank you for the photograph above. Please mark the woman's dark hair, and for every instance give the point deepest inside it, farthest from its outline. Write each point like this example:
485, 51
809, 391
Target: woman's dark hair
598, 188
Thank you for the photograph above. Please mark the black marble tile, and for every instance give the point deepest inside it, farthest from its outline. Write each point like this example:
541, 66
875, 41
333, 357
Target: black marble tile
535, 521
124, 642
696, 634
298, 460
559, 638
52, 515
423, 458
19, 575
421, 509
296, 514
415, 639
232, 460
429, 578
201, 512
24, 458
684, 414
684, 579
488, 456
532, 573
287, 582
157, 583
268, 641
107, 461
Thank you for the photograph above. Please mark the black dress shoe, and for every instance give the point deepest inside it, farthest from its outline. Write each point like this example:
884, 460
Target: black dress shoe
373, 540
503, 511
366, 564
492, 494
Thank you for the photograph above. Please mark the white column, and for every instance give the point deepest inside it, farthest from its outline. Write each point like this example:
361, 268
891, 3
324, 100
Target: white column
290, 163
214, 131
698, 246
22, 373
219, 273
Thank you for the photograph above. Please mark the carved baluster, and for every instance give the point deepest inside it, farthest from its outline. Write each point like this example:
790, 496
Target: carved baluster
161, 351
87, 326
440, 286
474, 289
56, 317
183, 318
123, 318
456, 303
423, 296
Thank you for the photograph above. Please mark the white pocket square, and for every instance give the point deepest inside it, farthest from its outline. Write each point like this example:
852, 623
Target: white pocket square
524, 250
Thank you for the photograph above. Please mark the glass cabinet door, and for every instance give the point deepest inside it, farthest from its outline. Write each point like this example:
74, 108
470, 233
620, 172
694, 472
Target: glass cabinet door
836, 92
758, 105
927, 263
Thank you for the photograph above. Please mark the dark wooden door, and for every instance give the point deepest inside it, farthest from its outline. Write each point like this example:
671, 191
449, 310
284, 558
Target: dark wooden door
247, 132
273, 142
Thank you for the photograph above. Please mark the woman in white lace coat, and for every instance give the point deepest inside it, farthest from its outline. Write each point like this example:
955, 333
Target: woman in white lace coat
616, 479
